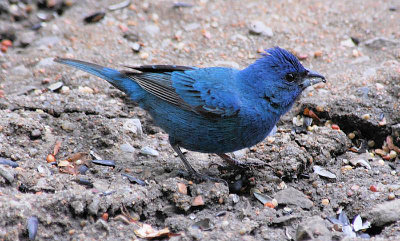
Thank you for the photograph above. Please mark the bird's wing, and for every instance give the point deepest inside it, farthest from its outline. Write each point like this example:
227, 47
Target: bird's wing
204, 91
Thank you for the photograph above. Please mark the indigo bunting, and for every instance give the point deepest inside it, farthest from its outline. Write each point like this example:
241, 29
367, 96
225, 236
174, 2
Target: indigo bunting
215, 109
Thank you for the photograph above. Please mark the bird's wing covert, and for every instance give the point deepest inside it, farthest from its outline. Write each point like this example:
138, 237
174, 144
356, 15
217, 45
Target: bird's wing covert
205, 91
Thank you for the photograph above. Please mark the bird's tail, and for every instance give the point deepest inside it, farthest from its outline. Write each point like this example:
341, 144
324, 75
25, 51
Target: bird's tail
115, 77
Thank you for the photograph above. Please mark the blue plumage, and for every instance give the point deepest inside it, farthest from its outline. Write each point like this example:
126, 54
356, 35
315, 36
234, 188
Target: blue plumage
213, 110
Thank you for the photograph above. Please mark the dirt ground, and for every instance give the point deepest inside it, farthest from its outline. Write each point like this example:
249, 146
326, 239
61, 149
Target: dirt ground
54, 121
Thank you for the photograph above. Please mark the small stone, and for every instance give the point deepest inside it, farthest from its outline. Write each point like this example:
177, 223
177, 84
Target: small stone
319, 108
127, 148
371, 143
366, 116
373, 188
317, 54
149, 151
65, 90
144, 55
8, 174
85, 89
381, 214
351, 135
50, 158
135, 47
234, 197
55, 86
348, 43
182, 188
104, 216
335, 127
259, 28
392, 154
325, 202
134, 126
36, 134
44, 170
26, 38
67, 126
198, 201
391, 196
313, 228
291, 196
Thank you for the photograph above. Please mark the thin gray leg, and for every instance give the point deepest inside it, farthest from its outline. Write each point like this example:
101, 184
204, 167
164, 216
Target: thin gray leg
191, 170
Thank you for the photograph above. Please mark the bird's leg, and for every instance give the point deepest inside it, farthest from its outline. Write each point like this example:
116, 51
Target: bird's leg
240, 164
191, 170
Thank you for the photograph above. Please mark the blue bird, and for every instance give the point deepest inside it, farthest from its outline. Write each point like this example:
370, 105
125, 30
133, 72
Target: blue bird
213, 110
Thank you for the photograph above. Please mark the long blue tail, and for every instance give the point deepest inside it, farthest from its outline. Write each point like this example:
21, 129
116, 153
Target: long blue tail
113, 76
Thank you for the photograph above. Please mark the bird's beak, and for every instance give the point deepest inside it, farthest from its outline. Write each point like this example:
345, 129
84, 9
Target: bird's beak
312, 78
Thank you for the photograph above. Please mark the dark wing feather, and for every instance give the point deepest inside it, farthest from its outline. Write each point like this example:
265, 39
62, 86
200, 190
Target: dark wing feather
159, 84
160, 68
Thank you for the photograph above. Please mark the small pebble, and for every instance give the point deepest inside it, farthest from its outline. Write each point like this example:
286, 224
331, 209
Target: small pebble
317, 54
198, 201
259, 28
392, 154
319, 108
85, 89
7, 174
373, 188
144, 55
135, 47
391, 196
325, 202
149, 151
83, 169
55, 86
95, 17
366, 116
65, 90
371, 143
105, 216
36, 134
182, 188
335, 127
32, 226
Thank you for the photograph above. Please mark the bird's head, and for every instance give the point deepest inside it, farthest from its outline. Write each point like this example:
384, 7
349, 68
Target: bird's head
279, 78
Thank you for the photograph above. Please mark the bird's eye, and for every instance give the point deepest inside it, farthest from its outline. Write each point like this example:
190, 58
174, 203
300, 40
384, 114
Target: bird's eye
290, 77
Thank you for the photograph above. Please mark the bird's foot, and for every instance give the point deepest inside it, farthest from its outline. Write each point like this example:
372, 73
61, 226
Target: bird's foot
199, 177
242, 164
